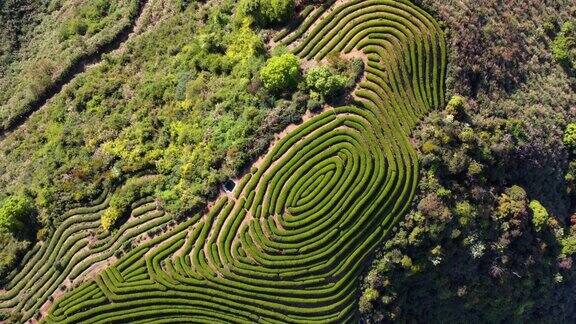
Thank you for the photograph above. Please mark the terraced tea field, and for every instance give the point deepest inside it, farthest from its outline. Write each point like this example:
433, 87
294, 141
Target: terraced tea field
289, 244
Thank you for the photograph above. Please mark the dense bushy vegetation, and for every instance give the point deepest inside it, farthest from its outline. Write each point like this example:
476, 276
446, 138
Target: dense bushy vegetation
490, 237
17, 19
43, 42
121, 201
477, 247
267, 12
17, 228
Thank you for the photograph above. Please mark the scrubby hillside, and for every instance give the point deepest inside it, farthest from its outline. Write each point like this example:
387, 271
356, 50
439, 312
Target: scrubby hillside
490, 237
47, 42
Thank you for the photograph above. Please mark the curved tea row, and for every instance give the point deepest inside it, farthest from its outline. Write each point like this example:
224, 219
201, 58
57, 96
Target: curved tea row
70, 252
290, 243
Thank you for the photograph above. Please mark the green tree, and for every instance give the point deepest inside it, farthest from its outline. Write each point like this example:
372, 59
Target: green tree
563, 44
540, 215
511, 204
570, 136
109, 217
455, 105
15, 212
281, 72
325, 82
569, 244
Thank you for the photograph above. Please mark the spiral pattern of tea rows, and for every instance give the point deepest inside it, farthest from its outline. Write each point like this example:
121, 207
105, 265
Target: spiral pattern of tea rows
290, 243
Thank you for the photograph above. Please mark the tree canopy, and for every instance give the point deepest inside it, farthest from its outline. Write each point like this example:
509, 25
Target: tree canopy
268, 12
15, 212
281, 72
570, 136
325, 82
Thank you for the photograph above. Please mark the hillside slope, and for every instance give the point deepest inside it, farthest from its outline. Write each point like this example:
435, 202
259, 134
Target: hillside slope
329, 161
491, 231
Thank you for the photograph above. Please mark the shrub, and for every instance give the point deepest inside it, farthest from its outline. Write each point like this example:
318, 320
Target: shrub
11, 248
325, 82
15, 212
183, 4
109, 217
563, 44
474, 169
429, 147
570, 136
456, 105
549, 27
315, 102
134, 189
58, 265
367, 298
540, 215
71, 28
42, 234
281, 73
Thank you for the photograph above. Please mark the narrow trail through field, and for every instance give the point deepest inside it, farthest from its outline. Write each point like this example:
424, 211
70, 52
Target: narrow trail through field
84, 63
